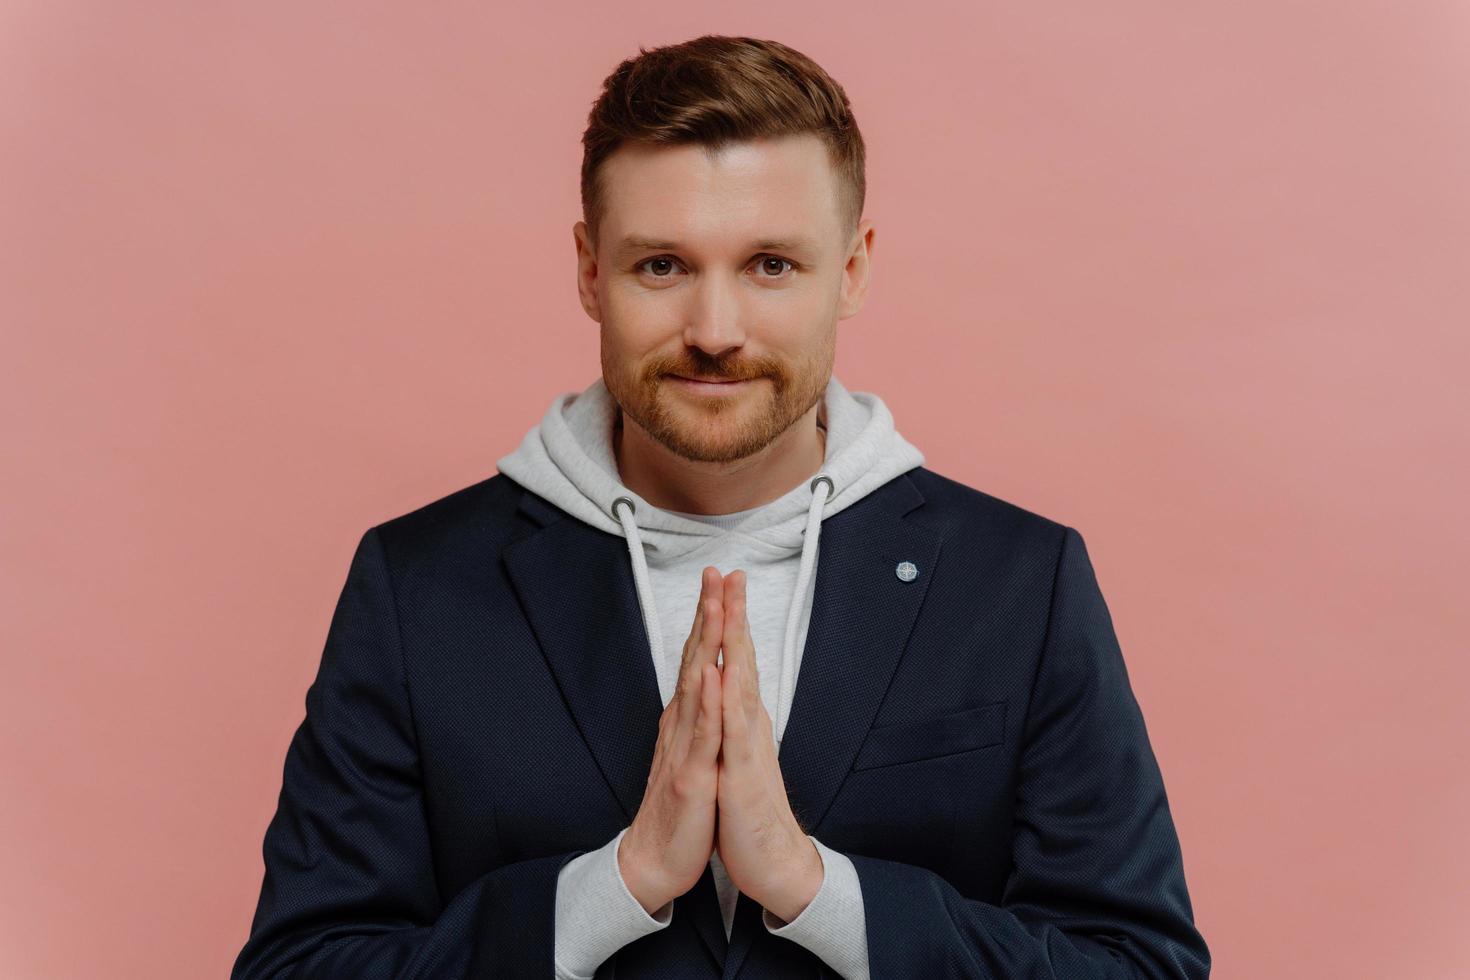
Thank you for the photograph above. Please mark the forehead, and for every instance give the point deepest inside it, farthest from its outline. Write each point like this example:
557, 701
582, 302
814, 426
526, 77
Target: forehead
769, 188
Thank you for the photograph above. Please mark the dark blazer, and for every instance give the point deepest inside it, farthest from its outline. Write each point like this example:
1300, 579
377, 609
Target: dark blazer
485, 710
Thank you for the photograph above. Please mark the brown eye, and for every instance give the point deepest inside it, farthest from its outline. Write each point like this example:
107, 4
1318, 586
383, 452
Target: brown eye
769, 260
663, 262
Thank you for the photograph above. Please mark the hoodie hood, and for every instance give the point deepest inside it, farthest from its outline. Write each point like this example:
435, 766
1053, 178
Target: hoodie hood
568, 459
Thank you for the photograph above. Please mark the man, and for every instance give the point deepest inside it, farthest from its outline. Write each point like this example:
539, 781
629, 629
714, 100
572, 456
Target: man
550, 736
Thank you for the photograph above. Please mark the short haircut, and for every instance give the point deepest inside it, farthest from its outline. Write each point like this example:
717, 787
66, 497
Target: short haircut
715, 89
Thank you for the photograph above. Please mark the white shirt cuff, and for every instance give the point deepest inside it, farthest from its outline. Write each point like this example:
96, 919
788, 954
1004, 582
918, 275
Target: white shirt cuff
832, 924
596, 914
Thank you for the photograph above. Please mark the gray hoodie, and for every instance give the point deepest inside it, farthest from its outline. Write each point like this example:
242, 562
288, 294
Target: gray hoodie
568, 460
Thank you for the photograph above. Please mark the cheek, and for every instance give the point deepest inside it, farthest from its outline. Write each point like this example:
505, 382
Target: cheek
640, 319
629, 336
798, 315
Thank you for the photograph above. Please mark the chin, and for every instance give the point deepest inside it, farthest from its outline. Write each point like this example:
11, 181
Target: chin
721, 439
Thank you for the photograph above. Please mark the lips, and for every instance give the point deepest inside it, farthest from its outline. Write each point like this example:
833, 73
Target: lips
717, 387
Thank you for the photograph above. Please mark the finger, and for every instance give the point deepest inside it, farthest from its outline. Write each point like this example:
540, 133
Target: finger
694, 630
737, 634
709, 727
708, 615
713, 627
733, 735
681, 679
686, 711
697, 627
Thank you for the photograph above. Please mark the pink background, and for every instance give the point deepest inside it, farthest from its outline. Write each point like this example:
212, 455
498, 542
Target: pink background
1191, 279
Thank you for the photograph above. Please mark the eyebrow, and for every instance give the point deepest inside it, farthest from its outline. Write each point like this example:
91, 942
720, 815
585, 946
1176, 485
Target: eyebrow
644, 242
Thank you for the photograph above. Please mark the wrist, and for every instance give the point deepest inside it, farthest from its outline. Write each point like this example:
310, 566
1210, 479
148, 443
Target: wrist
795, 892
643, 886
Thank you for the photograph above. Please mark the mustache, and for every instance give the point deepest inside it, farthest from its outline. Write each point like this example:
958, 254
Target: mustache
716, 370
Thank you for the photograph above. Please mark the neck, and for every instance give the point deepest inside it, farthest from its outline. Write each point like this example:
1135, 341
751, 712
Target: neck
671, 482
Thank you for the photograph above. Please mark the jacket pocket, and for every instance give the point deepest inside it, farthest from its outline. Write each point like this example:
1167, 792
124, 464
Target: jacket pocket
933, 738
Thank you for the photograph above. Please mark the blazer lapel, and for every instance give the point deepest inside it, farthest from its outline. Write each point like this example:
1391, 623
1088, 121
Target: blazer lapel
862, 615
576, 584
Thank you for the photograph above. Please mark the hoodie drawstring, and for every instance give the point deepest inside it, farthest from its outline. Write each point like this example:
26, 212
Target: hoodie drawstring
803, 576
654, 629
640, 579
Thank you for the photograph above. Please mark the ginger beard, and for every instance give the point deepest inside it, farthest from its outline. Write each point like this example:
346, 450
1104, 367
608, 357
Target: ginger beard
718, 428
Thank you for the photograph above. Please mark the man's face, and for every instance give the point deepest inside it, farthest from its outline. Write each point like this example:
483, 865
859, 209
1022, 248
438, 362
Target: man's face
733, 267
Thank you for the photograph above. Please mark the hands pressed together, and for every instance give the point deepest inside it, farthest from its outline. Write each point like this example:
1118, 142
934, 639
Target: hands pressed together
715, 784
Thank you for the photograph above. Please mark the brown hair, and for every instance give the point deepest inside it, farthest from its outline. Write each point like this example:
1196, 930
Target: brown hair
714, 89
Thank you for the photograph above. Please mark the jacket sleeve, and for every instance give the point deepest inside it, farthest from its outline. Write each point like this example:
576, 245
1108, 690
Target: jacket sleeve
1096, 887
349, 888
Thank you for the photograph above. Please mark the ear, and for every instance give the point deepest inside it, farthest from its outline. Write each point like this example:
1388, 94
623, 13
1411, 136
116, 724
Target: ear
856, 272
586, 271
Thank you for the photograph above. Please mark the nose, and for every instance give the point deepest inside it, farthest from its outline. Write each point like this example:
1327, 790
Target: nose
714, 317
